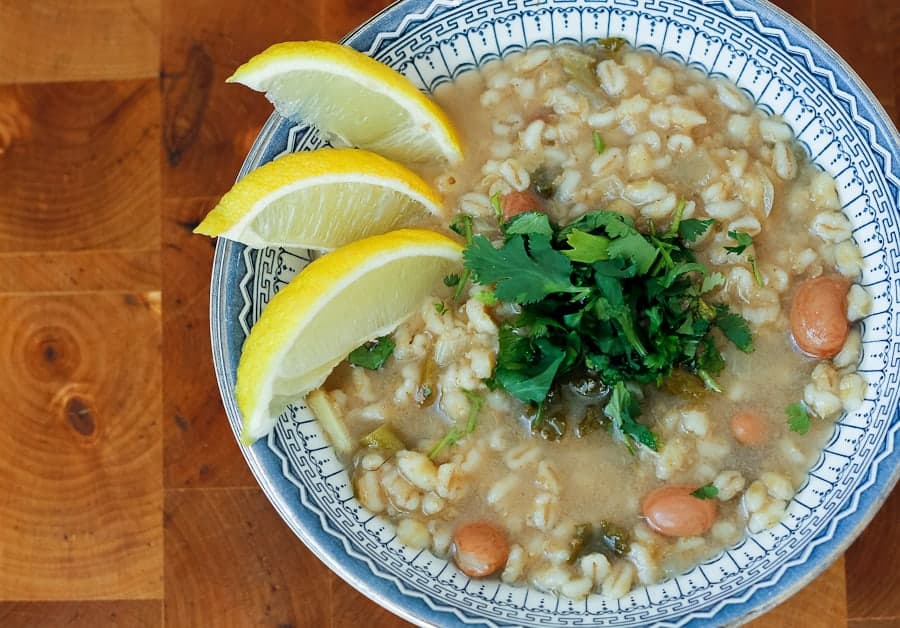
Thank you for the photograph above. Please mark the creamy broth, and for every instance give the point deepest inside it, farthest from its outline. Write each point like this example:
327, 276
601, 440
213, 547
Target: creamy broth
670, 133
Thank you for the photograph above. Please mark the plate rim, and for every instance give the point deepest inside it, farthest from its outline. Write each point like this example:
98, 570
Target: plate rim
255, 454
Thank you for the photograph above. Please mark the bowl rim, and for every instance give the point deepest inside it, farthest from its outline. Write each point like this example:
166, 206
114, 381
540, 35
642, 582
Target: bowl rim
253, 455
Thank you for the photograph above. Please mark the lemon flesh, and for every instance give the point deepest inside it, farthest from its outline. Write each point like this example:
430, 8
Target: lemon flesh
357, 293
321, 200
352, 99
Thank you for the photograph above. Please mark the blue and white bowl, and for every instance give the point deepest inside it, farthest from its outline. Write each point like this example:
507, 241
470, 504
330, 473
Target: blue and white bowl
786, 70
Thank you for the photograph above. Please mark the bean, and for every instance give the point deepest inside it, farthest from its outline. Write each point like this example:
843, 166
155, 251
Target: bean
819, 323
479, 548
750, 428
516, 203
673, 511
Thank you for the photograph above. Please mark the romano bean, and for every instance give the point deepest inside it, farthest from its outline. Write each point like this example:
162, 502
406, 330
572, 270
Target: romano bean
516, 203
479, 549
673, 511
819, 323
750, 427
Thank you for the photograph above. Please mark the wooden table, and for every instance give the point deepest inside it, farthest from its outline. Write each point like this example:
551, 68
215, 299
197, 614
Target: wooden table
124, 500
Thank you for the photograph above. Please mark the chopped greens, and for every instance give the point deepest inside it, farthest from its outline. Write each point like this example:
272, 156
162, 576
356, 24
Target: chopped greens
756, 274
598, 296
372, 355
451, 280
707, 491
599, 144
451, 438
798, 418
690, 229
604, 537
743, 241
497, 207
463, 224
476, 402
440, 307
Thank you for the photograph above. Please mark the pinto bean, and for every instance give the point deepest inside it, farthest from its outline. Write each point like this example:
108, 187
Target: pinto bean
516, 203
750, 428
479, 548
673, 511
819, 316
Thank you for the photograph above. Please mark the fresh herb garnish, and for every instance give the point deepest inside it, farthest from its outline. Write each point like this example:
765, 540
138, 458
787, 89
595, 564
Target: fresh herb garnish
486, 296
476, 402
463, 224
756, 274
708, 491
599, 144
451, 280
440, 307
798, 418
598, 296
372, 355
450, 439
497, 207
690, 229
743, 241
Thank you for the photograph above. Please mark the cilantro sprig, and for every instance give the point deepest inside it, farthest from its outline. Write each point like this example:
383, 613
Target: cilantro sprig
599, 296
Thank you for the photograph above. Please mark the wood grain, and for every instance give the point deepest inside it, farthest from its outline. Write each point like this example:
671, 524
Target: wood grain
866, 37
81, 271
112, 614
822, 604
200, 448
78, 166
876, 553
60, 40
208, 125
80, 448
232, 562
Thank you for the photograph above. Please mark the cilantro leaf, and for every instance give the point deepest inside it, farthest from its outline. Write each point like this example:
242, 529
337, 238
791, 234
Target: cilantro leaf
798, 418
735, 328
451, 280
690, 229
586, 247
743, 241
531, 381
372, 355
519, 277
708, 491
622, 408
529, 223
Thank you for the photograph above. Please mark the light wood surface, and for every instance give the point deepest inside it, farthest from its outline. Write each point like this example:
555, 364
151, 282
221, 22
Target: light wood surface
124, 500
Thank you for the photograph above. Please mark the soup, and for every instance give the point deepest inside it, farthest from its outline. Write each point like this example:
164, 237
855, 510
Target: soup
552, 494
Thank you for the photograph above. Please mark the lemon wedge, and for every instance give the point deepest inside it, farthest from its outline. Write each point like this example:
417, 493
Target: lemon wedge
352, 99
320, 200
347, 297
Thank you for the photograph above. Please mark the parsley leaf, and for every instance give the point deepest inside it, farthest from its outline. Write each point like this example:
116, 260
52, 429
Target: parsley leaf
743, 241
707, 491
372, 355
798, 418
